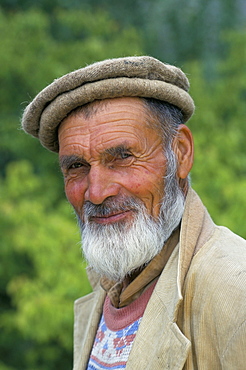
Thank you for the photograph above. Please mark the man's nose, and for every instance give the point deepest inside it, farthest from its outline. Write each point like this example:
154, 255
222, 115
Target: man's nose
100, 185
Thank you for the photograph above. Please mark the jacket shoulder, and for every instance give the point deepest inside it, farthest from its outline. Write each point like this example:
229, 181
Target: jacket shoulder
215, 290
221, 262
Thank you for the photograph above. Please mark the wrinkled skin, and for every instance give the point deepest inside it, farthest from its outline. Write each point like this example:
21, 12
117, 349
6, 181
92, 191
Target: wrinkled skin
115, 152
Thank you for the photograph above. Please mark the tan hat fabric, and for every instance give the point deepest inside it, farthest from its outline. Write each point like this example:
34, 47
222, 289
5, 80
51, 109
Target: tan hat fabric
130, 76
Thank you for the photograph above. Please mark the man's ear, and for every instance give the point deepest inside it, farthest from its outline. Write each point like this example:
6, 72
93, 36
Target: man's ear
183, 147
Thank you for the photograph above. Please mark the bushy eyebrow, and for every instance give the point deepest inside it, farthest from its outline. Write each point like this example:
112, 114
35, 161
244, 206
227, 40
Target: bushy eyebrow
116, 150
66, 161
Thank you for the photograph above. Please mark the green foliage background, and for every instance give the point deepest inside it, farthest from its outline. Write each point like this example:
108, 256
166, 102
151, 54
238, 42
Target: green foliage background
41, 269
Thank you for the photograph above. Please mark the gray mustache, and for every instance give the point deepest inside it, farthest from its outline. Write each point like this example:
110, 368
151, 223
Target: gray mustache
110, 206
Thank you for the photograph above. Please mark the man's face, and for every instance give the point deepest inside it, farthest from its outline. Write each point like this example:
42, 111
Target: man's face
114, 167
112, 153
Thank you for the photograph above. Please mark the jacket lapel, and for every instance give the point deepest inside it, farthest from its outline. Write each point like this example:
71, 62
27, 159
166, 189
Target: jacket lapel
87, 313
159, 343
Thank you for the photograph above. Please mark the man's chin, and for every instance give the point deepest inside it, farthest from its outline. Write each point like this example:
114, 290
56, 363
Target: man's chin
117, 263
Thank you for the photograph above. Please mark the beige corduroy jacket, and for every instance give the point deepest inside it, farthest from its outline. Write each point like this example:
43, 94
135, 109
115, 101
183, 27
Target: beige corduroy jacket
196, 316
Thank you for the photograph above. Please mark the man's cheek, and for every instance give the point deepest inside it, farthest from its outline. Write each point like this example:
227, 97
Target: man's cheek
74, 195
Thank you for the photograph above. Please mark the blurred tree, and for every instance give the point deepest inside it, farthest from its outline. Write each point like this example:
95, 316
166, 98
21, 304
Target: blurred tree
40, 273
173, 30
219, 173
178, 31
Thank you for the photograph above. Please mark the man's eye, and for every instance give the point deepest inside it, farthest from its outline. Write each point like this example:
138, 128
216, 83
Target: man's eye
125, 155
76, 165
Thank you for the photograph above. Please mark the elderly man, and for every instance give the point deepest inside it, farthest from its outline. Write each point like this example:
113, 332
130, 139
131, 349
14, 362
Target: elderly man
169, 285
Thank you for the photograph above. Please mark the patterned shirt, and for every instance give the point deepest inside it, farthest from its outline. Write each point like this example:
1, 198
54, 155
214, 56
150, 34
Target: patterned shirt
116, 333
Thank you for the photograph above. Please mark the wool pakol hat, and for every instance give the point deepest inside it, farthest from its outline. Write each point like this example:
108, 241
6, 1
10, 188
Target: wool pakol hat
142, 76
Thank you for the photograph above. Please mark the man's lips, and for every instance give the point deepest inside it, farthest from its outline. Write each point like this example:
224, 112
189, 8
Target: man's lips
111, 218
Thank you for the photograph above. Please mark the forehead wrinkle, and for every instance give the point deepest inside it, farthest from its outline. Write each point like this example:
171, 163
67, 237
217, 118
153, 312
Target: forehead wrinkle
113, 139
94, 139
120, 115
118, 124
97, 107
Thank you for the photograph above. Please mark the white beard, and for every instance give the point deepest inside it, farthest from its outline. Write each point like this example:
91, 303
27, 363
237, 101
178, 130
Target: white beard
116, 250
